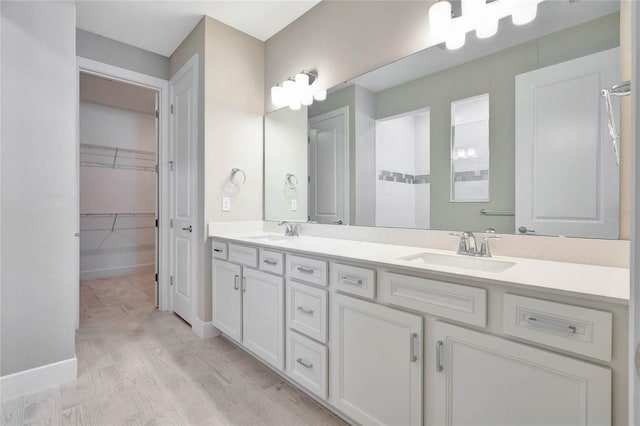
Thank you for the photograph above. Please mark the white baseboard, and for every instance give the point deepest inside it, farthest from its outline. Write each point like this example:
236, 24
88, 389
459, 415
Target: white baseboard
116, 272
36, 379
204, 330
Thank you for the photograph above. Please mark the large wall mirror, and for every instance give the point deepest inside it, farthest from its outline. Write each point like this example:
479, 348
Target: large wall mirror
507, 134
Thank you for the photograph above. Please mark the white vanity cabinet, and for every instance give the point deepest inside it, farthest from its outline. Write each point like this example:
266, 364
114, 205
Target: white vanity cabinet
482, 379
248, 306
375, 362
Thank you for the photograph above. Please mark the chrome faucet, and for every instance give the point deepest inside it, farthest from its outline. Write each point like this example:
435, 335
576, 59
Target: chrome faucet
291, 230
468, 247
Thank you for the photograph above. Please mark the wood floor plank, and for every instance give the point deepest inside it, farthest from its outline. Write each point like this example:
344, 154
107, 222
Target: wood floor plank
140, 366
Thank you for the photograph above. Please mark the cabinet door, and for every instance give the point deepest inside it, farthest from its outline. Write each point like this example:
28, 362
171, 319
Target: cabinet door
263, 316
486, 380
376, 364
227, 299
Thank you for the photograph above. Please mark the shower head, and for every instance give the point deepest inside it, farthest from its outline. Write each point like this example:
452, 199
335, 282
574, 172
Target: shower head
621, 89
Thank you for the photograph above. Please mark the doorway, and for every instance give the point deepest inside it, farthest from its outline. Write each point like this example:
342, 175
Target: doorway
118, 180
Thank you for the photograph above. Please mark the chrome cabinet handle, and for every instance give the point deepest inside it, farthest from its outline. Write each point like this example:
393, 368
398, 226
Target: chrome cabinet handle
524, 230
350, 280
304, 363
305, 311
188, 228
550, 325
235, 282
305, 270
439, 346
413, 347
218, 250
270, 262
244, 284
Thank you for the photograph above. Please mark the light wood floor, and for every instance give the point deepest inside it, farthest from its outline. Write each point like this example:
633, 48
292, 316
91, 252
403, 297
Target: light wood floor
139, 366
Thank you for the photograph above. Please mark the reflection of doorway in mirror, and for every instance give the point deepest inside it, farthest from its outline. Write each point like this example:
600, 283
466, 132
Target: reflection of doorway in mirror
403, 170
470, 149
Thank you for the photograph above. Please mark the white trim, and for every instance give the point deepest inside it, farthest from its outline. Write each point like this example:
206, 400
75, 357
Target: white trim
36, 379
162, 87
344, 111
198, 222
204, 330
634, 303
116, 272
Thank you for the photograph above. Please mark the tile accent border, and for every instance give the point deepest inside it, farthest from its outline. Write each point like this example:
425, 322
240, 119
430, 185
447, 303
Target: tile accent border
403, 177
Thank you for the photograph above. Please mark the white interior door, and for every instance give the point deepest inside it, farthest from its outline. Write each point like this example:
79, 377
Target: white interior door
567, 180
328, 159
157, 206
183, 194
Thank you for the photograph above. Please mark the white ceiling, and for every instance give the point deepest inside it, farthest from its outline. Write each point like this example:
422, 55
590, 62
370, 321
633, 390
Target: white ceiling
160, 26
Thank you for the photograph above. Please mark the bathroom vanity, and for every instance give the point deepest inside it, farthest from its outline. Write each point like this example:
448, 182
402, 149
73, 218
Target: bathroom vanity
390, 335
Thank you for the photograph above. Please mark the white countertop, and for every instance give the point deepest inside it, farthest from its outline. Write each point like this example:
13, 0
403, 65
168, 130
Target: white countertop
589, 281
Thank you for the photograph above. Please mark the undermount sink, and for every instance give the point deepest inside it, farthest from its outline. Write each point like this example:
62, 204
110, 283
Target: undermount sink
271, 238
459, 261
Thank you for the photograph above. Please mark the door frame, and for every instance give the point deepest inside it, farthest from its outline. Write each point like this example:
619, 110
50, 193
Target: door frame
101, 69
344, 112
196, 249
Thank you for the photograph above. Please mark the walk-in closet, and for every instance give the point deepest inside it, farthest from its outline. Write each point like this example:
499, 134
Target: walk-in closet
118, 179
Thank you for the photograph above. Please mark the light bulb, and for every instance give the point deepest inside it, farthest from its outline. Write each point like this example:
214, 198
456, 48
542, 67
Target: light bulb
278, 96
440, 19
524, 11
462, 153
455, 40
320, 95
488, 27
295, 104
471, 152
306, 98
302, 80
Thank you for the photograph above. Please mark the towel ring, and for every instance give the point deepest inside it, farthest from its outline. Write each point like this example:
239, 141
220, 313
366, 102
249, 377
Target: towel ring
291, 181
234, 180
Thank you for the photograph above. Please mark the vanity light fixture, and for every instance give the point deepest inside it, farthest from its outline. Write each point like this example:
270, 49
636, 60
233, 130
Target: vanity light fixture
481, 16
297, 91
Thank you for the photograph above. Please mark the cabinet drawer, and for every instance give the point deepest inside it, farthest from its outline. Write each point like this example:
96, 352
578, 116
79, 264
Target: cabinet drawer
572, 328
305, 269
271, 261
456, 302
307, 310
243, 254
307, 363
220, 250
354, 280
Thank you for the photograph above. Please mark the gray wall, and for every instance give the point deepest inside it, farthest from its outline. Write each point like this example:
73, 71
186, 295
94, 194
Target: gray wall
39, 192
343, 39
109, 51
494, 74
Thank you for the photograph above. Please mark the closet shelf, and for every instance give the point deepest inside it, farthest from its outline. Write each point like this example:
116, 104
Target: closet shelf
109, 225
117, 158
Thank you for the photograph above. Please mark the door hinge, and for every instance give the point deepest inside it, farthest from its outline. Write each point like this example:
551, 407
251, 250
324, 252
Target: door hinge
157, 168
157, 114
171, 280
156, 277
171, 223
172, 109
171, 165
308, 139
308, 179
156, 223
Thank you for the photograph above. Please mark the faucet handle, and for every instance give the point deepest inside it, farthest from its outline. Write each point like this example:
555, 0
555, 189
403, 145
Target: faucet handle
485, 251
462, 244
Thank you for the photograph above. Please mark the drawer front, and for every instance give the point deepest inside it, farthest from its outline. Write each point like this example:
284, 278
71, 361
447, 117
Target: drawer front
452, 301
307, 363
354, 280
305, 269
243, 254
572, 328
271, 261
220, 250
307, 310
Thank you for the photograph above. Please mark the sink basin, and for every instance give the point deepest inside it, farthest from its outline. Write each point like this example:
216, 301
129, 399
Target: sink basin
271, 238
459, 261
